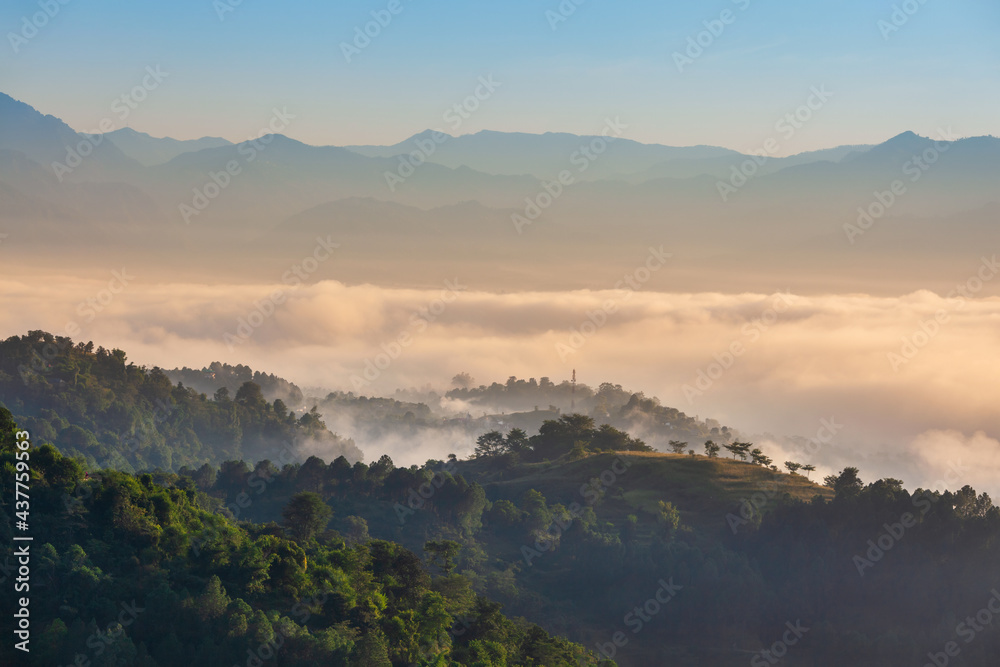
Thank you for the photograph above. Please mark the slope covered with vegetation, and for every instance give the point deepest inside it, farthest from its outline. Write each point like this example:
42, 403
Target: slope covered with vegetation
94, 404
580, 542
133, 572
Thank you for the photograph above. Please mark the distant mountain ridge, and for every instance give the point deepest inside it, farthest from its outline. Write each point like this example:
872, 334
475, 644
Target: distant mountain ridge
150, 151
431, 198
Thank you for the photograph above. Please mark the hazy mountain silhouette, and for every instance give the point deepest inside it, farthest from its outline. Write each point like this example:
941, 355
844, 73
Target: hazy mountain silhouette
46, 139
150, 151
271, 197
541, 155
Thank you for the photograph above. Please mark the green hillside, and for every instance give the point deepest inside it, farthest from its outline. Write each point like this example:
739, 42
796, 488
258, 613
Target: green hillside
129, 572
95, 405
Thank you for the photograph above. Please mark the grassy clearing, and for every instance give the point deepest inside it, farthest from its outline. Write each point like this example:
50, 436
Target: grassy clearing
703, 489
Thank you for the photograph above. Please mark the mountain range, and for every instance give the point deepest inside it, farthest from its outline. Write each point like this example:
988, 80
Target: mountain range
585, 196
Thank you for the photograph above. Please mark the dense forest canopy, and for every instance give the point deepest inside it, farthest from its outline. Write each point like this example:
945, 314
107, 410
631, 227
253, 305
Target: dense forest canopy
93, 404
129, 571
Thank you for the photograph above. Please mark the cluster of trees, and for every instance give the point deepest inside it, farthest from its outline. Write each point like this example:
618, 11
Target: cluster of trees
95, 405
527, 547
573, 434
743, 450
130, 571
609, 403
518, 395
217, 375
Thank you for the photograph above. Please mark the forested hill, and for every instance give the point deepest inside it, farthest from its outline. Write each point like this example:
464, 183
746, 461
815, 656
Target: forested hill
644, 557
216, 375
94, 404
126, 572
578, 527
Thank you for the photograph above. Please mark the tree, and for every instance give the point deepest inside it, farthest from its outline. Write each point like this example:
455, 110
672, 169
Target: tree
557, 437
792, 466
759, 458
847, 483
711, 449
463, 381
250, 395
740, 449
490, 444
808, 468
305, 515
357, 531
517, 441
678, 446
668, 515
443, 554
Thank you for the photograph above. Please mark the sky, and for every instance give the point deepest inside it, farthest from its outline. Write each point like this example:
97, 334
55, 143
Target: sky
559, 67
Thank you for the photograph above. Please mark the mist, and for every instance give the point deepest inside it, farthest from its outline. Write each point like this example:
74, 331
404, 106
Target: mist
907, 380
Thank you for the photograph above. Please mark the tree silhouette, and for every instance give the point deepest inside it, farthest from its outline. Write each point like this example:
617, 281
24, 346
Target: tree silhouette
443, 554
740, 449
490, 444
305, 515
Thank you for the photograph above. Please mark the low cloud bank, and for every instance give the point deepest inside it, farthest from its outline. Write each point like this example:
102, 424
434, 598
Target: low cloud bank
911, 379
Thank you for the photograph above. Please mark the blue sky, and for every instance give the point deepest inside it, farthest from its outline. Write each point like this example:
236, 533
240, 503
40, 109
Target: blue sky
940, 68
